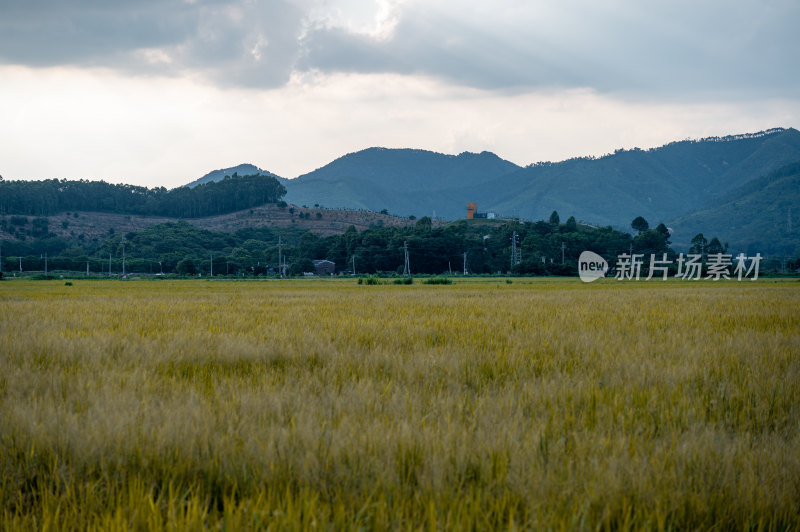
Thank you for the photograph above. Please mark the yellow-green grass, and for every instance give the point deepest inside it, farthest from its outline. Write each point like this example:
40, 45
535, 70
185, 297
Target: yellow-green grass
539, 404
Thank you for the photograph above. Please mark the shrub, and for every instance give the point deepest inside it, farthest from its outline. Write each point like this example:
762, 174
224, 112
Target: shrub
438, 280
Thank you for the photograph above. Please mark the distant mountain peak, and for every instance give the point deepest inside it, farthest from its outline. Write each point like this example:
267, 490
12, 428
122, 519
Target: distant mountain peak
242, 169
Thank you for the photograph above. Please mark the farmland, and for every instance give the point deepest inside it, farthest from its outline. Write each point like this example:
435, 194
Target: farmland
535, 404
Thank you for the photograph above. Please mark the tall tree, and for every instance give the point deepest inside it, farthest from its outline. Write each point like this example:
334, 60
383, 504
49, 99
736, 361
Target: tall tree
715, 246
640, 224
699, 244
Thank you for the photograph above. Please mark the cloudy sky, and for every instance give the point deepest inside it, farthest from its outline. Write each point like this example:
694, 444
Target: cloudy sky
159, 92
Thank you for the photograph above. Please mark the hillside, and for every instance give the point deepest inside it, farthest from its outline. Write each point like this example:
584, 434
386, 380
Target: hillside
88, 226
404, 181
660, 184
752, 218
53, 196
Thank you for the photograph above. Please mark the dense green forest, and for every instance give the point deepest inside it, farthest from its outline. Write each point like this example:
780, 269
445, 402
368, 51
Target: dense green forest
51, 196
182, 248
756, 217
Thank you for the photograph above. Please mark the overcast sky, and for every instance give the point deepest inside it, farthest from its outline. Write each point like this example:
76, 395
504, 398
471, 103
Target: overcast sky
159, 92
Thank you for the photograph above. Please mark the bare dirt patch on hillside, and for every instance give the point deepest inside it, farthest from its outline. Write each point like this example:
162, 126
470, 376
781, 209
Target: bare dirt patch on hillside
324, 222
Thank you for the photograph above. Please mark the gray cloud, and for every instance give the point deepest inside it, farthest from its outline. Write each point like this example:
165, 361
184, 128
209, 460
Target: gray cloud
610, 46
239, 43
46, 33
645, 47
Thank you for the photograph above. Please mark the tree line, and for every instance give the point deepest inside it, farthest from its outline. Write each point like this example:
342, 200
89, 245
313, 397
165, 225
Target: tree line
546, 247
51, 196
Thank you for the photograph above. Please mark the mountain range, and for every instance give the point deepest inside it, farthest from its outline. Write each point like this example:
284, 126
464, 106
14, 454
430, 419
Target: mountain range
688, 184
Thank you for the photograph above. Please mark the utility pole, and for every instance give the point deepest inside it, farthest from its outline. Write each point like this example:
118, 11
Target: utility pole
87, 268
123, 256
513, 249
45, 263
109, 264
515, 254
280, 262
563, 247
406, 267
212, 265
20, 265
354, 264
465, 263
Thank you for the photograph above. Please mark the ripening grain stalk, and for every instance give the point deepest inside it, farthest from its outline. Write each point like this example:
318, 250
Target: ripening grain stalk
540, 404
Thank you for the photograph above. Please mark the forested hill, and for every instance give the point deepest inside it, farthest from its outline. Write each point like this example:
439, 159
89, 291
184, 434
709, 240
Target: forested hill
660, 184
756, 217
403, 181
52, 196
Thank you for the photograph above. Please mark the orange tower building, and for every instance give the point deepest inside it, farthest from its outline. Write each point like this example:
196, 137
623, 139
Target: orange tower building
472, 208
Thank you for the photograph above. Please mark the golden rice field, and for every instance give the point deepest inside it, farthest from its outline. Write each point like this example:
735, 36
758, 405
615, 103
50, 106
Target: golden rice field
322, 404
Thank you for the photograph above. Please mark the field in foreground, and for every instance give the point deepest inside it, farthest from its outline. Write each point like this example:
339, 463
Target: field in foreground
324, 404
